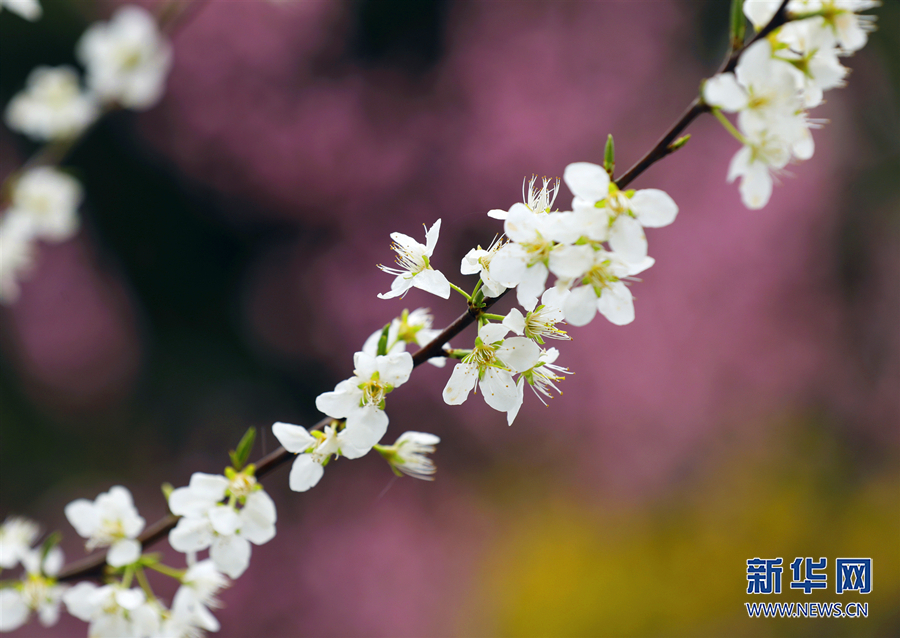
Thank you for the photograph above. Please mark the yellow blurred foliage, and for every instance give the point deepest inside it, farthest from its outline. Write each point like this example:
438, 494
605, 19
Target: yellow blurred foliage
677, 566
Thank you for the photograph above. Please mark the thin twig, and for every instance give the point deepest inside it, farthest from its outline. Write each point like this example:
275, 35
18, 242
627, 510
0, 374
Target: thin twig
664, 146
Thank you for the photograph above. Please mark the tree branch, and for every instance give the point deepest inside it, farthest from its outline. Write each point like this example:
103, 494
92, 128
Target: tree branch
91, 567
664, 146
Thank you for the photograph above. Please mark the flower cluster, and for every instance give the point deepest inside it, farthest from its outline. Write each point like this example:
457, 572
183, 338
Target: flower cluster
594, 250
778, 78
37, 590
127, 61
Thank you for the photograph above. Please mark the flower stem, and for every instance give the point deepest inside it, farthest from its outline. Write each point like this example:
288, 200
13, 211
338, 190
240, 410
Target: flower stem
144, 583
461, 291
168, 571
492, 317
729, 126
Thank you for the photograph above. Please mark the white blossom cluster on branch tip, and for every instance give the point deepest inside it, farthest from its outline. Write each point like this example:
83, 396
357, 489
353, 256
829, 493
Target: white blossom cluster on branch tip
127, 60
594, 251
778, 78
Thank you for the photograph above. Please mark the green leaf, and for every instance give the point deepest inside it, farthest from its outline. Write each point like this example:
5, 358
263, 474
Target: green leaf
383, 339
242, 453
609, 155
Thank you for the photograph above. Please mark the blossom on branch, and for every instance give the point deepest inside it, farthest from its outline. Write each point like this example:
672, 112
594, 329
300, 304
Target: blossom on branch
111, 520
114, 611
314, 451
127, 59
622, 214
226, 528
409, 328
601, 288
37, 592
52, 105
409, 455
361, 398
491, 366
415, 269
47, 199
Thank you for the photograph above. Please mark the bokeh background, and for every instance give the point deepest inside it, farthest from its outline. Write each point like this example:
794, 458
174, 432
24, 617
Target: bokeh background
225, 274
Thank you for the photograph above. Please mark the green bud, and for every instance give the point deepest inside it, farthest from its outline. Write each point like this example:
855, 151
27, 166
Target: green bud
738, 24
167, 489
609, 155
681, 141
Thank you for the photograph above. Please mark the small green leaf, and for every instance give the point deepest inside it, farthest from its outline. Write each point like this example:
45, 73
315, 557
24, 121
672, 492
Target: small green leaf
242, 453
609, 155
383, 339
681, 141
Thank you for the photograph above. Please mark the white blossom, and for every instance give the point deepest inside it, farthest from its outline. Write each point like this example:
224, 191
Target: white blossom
415, 269
38, 590
314, 451
48, 200
226, 529
190, 614
52, 105
478, 262
764, 154
491, 366
17, 252
538, 199
601, 288
841, 18
17, 534
813, 58
409, 455
542, 378
623, 215
534, 251
541, 322
111, 520
361, 398
127, 59
28, 9
114, 611
409, 328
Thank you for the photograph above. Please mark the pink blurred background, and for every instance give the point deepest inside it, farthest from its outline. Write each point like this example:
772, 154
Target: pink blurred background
225, 276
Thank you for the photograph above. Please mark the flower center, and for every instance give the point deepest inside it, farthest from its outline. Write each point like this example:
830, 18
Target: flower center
600, 277
242, 485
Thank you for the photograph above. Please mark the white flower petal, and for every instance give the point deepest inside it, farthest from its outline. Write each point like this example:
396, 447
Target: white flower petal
519, 353
580, 306
432, 281
499, 389
617, 304
431, 237
258, 518
724, 92
82, 516
293, 438
626, 237
13, 609
305, 473
224, 520
191, 535
654, 208
123, 552
231, 554
460, 384
588, 181
515, 321
569, 262
492, 332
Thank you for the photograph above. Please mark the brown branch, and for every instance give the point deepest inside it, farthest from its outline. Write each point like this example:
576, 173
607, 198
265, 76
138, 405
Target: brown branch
664, 146
91, 567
